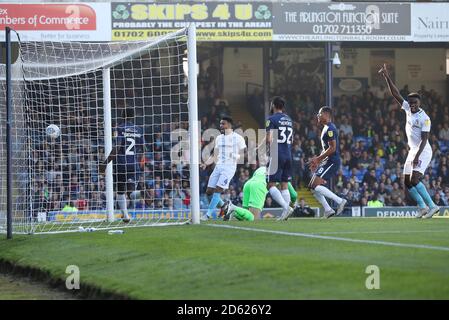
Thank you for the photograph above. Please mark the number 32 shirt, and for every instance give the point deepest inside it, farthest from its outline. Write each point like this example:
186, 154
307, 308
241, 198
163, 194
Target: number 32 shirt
283, 123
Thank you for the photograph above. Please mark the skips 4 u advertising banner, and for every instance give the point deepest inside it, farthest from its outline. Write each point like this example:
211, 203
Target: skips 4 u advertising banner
215, 21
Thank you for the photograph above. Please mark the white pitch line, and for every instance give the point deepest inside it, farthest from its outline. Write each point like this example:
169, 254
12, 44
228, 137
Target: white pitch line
316, 236
382, 232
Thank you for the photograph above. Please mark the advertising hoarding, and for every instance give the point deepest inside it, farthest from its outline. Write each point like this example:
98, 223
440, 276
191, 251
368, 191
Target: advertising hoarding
341, 22
57, 22
215, 21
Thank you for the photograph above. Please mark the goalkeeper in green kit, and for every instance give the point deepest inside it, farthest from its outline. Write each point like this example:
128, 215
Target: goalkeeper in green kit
254, 193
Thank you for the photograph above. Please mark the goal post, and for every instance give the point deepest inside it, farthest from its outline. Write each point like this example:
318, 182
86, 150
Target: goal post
127, 96
8, 103
194, 129
109, 182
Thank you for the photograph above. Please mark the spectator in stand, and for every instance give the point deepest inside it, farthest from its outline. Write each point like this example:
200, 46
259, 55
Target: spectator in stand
235, 198
69, 207
444, 133
444, 174
340, 180
96, 202
370, 178
356, 155
438, 200
445, 196
365, 161
381, 92
345, 127
312, 150
178, 196
269, 202
364, 202
297, 164
375, 201
141, 204
396, 195
303, 210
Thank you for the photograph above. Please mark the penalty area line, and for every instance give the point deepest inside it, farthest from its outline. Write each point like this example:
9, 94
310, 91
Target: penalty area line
322, 237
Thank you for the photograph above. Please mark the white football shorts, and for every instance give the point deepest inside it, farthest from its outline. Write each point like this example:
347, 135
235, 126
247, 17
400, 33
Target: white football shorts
221, 176
424, 161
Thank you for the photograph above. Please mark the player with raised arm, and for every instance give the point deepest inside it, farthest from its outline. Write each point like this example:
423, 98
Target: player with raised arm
227, 149
326, 164
283, 124
129, 146
417, 129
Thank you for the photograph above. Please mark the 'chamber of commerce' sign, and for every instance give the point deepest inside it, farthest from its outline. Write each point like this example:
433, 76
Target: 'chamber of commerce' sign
57, 22
341, 22
215, 21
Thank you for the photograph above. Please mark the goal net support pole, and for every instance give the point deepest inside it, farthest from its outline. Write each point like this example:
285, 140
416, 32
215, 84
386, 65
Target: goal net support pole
193, 124
8, 134
108, 142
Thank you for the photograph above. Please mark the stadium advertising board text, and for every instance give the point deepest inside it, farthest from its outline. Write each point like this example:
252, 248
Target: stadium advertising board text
60, 216
430, 22
229, 21
341, 22
215, 21
399, 212
57, 22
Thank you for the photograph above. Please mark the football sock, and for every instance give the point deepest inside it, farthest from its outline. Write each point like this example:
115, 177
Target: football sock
328, 194
277, 196
216, 199
417, 197
286, 195
321, 199
425, 195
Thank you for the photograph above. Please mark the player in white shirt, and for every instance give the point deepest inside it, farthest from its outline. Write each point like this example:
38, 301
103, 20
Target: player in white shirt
419, 156
228, 147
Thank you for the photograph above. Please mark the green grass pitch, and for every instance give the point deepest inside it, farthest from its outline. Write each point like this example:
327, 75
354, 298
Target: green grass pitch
297, 259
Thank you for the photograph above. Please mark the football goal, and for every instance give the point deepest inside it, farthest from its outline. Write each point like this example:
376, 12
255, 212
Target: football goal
72, 104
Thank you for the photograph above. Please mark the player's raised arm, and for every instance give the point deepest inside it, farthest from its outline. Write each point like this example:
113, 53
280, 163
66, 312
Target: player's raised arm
391, 86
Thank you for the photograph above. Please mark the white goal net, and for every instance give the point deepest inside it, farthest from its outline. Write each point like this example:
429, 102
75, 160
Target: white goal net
133, 98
